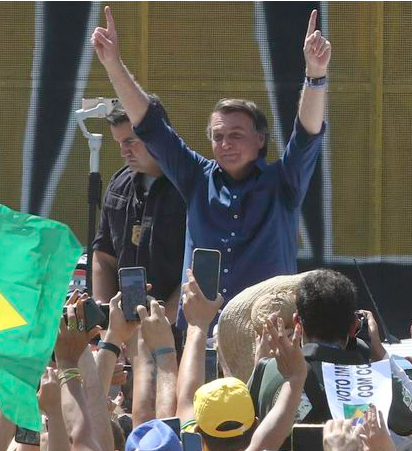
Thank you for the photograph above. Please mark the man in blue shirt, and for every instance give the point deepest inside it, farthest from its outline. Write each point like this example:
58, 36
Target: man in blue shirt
236, 203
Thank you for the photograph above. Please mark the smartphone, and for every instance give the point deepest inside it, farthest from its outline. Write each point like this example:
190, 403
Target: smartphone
27, 437
211, 365
307, 436
94, 314
106, 312
191, 441
173, 423
132, 283
206, 269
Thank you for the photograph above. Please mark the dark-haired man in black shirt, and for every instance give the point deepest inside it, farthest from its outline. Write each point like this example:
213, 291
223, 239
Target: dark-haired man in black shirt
142, 222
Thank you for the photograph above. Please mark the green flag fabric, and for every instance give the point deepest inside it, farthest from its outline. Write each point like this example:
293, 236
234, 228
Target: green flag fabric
37, 259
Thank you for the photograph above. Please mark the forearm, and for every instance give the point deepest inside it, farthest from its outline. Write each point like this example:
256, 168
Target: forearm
58, 439
166, 382
106, 362
25, 447
132, 97
104, 276
311, 108
277, 425
172, 304
144, 385
7, 431
76, 417
191, 371
96, 401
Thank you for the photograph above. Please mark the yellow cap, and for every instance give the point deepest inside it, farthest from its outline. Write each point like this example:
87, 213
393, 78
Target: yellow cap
221, 401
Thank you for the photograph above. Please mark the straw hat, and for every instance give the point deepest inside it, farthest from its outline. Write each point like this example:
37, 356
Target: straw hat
242, 320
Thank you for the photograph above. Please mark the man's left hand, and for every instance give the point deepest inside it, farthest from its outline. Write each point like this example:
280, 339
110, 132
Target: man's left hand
317, 50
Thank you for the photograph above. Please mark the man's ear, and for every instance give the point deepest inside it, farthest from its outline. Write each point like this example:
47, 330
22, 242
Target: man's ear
261, 138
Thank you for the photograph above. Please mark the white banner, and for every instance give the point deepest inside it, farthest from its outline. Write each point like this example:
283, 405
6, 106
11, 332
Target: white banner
351, 388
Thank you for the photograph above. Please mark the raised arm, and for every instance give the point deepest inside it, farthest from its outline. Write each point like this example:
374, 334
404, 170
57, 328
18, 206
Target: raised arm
50, 403
144, 383
131, 95
158, 336
96, 401
317, 52
199, 313
118, 332
71, 343
104, 271
277, 425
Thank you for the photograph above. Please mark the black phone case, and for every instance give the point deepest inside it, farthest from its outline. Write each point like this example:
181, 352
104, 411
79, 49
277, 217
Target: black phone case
93, 315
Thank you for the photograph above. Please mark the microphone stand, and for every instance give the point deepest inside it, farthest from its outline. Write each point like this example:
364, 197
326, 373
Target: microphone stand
391, 339
95, 181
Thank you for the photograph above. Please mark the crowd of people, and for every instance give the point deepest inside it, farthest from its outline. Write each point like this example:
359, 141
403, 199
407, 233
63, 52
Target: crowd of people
81, 411
141, 384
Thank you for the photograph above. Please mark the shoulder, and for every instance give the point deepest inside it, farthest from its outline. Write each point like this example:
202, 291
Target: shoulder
121, 179
120, 189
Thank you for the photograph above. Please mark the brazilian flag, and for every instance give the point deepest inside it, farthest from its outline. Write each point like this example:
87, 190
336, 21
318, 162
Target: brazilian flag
37, 259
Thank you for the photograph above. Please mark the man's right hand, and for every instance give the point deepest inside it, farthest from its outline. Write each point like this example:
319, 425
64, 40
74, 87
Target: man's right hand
198, 310
105, 42
119, 330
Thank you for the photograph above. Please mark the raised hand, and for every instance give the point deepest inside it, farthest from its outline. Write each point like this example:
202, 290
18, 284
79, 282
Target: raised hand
317, 49
288, 354
377, 350
105, 42
198, 310
49, 393
339, 435
73, 339
375, 435
119, 330
156, 329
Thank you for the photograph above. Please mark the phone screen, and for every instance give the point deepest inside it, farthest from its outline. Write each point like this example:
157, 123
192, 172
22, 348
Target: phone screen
132, 282
191, 441
206, 269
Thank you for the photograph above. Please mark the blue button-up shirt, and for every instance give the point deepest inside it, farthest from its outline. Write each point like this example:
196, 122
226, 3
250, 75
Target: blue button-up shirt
253, 222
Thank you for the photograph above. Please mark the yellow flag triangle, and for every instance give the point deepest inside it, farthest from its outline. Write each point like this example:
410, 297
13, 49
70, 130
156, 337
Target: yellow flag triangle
9, 316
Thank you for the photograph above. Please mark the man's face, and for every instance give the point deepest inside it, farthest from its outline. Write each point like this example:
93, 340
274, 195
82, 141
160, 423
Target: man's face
235, 142
133, 150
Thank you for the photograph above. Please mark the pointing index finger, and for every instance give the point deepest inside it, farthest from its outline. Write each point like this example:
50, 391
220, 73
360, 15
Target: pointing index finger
312, 23
109, 19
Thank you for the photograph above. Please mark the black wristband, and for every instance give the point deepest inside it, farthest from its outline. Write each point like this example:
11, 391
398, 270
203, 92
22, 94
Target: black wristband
313, 82
109, 347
